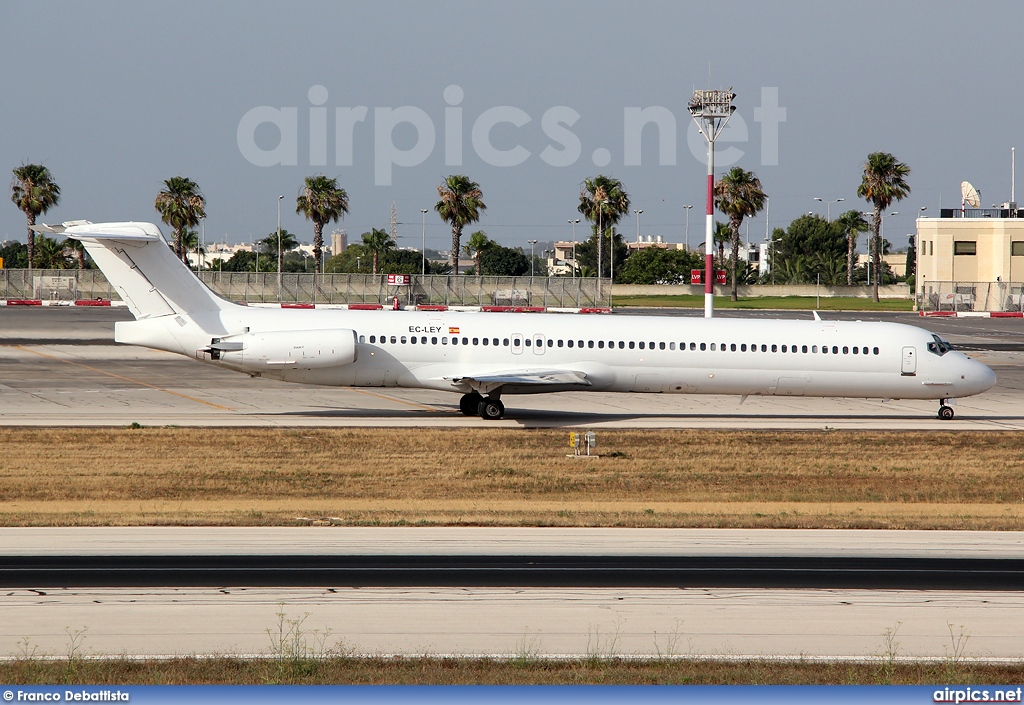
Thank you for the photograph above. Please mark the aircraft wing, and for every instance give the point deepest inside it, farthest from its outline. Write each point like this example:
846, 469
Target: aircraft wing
525, 377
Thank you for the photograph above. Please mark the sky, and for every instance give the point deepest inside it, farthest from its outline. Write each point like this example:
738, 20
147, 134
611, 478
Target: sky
526, 98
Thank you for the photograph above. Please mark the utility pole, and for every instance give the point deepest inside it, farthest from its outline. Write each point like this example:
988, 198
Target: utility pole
280, 252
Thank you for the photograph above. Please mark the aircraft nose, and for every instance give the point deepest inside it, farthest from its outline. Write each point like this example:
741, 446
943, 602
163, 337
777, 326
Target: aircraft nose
978, 377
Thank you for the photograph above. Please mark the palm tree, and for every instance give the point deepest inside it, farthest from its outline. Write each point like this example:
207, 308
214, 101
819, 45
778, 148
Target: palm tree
34, 191
50, 254
321, 201
721, 235
603, 201
738, 195
851, 223
288, 243
478, 242
181, 205
461, 204
378, 241
76, 249
883, 182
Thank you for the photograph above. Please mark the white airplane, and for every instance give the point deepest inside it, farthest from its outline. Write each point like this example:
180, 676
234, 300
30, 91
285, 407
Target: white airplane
486, 356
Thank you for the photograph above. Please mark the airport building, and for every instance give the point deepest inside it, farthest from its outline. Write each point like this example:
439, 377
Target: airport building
971, 259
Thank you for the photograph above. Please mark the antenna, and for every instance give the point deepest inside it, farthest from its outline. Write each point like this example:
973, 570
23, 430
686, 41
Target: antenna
969, 196
1013, 174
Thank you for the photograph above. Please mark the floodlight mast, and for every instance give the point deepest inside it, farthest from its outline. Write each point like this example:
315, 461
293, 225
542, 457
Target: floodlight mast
711, 111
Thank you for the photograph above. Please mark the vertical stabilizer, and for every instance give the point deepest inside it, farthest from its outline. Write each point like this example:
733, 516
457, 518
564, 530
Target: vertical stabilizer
151, 280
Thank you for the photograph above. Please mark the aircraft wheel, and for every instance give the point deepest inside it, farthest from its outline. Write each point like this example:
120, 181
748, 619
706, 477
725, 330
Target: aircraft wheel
491, 409
945, 412
469, 404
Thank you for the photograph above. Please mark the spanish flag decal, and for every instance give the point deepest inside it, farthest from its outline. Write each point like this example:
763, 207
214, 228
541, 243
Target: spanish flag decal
453, 330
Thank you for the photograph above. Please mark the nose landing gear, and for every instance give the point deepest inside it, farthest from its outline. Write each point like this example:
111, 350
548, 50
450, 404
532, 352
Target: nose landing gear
945, 411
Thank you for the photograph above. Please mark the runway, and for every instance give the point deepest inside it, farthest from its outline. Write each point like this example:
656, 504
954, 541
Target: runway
507, 620
59, 367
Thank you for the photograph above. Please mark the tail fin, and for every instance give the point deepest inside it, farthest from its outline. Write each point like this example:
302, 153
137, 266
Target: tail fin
136, 260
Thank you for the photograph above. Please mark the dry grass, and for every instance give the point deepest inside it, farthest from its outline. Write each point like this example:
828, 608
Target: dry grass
513, 671
511, 477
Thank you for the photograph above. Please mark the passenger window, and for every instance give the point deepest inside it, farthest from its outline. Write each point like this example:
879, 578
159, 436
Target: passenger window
671, 346
641, 345
632, 345
783, 348
712, 346
569, 343
505, 342
804, 348
651, 346
824, 350
775, 348
551, 343
373, 339
835, 349
559, 343
764, 348
486, 341
874, 350
412, 340
846, 350
621, 345
693, 346
590, 343
444, 341
703, 346
362, 339
743, 347
394, 339
864, 351
465, 341
579, 343
856, 350
476, 341
403, 340
732, 348
661, 346
600, 344
527, 341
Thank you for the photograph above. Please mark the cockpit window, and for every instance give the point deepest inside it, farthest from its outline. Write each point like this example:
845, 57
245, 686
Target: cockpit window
938, 346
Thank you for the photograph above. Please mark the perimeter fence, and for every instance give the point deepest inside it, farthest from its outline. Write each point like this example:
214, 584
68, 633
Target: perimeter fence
262, 287
972, 296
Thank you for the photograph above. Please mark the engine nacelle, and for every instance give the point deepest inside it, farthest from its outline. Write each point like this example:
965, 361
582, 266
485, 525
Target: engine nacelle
286, 349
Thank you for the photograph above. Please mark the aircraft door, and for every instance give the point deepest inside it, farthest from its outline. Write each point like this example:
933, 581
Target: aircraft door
909, 368
538, 344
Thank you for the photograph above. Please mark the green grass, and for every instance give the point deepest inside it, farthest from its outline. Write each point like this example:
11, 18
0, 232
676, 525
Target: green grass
517, 670
800, 303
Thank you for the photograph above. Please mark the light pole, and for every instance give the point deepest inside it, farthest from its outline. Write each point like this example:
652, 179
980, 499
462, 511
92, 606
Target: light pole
711, 111
917, 260
687, 236
280, 252
423, 244
637, 214
574, 223
828, 207
533, 257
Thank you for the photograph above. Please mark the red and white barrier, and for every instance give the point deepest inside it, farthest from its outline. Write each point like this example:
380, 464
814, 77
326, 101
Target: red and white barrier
973, 314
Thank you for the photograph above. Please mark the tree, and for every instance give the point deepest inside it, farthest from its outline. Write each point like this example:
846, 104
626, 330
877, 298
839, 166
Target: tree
806, 237
613, 246
378, 241
851, 223
15, 255
498, 261
181, 205
738, 195
269, 244
720, 235
478, 242
51, 254
461, 204
321, 201
603, 201
76, 249
884, 181
34, 191
658, 265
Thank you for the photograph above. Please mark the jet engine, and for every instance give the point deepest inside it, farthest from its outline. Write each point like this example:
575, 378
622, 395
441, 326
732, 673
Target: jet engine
285, 349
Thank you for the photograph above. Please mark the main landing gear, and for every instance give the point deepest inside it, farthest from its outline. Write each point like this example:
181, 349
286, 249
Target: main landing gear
474, 404
945, 411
